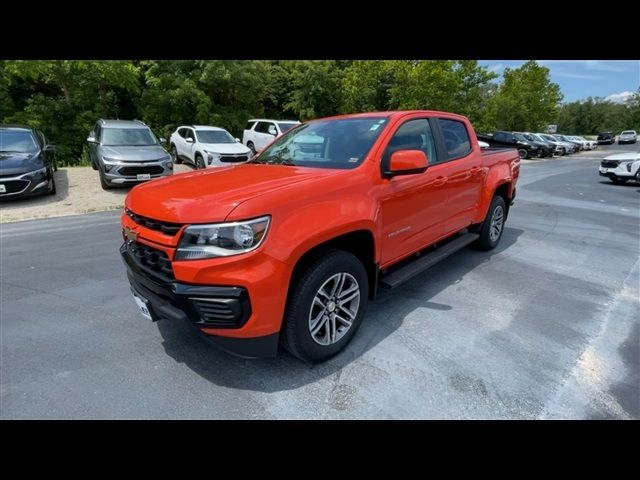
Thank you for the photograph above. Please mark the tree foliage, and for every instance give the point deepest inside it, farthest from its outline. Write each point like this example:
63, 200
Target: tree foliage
64, 98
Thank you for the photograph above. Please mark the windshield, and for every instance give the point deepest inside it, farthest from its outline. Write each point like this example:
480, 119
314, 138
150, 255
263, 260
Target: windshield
20, 141
628, 132
529, 137
325, 143
520, 137
285, 126
538, 137
135, 137
214, 136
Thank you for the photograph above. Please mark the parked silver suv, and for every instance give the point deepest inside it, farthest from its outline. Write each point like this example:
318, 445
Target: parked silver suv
126, 152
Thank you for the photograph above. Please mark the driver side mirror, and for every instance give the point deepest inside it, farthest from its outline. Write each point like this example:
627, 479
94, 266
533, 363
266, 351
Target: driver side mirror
237, 140
407, 162
91, 139
50, 148
188, 140
162, 140
272, 131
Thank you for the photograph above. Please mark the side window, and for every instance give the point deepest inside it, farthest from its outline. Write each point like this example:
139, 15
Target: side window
499, 137
249, 125
456, 138
189, 134
412, 135
181, 132
271, 129
261, 127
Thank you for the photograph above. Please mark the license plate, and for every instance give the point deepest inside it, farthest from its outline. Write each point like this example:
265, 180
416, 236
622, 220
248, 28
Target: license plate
143, 176
3, 189
142, 305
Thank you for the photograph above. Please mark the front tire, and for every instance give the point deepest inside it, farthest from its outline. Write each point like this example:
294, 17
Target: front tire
174, 154
200, 162
523, 152
252, 147
618, 181
326, 307
493, 225
52, 191
103, 183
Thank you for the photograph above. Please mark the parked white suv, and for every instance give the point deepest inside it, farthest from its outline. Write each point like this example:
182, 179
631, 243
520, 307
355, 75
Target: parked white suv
260, 132
621, 167
206, 147
628, 136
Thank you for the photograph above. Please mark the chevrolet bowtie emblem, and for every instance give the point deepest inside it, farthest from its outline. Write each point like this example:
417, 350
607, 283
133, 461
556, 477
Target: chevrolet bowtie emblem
129, 235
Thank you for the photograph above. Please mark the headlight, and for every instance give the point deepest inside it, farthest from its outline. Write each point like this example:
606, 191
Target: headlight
211, 155
629, 166
222, 239
109, 160
40, 171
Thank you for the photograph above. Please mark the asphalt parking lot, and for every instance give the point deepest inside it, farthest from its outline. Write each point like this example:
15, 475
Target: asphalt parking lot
545, 326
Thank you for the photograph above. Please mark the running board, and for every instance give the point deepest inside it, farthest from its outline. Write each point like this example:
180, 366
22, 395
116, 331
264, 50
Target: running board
419, 265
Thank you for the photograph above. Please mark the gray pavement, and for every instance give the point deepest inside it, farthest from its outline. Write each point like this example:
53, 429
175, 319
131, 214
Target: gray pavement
545, 326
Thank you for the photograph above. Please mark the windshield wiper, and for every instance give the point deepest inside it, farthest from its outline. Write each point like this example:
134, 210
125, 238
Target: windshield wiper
271, 161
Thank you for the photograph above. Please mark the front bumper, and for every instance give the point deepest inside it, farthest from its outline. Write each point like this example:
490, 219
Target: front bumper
617, 172
219, 308
25, 185
123, 173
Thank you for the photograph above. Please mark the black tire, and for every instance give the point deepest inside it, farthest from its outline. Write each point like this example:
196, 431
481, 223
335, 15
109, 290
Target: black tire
52, 191
523, 152
488, 240
619, 181
638, 176
103, 183
252, 147
174, 154
93, 165
200, 162
296, 336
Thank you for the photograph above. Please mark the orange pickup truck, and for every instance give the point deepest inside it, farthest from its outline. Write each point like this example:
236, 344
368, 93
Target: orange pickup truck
290, 247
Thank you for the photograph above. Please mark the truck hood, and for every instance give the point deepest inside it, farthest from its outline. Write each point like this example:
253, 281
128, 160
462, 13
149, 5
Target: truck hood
209, 196
134, 154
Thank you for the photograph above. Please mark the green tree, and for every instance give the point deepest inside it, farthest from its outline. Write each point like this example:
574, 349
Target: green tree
526, 99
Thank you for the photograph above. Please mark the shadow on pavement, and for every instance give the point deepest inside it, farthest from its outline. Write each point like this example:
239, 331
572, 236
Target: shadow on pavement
387, 313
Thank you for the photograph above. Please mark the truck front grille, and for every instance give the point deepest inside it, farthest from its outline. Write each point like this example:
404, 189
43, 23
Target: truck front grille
154, 262
150, 223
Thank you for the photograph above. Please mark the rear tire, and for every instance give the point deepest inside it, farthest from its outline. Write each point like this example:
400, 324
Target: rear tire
319, 322
493, 226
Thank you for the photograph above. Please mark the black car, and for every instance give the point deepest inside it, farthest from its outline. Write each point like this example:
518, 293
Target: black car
606, 137
526, 148
26, 162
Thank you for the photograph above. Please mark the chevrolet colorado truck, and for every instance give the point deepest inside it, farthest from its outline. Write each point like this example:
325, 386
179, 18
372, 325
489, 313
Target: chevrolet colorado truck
290, 247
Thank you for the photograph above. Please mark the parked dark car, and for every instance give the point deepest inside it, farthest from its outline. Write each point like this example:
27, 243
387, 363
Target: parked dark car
546, 148
26, 162
606, 137
526, 148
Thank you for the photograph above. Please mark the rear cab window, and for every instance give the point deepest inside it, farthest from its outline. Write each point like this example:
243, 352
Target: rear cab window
456, 138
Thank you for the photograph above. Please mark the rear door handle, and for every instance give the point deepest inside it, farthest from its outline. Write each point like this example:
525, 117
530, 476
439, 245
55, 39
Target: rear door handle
438, 182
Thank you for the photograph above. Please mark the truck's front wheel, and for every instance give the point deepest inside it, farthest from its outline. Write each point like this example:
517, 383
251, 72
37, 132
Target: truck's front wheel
326, 306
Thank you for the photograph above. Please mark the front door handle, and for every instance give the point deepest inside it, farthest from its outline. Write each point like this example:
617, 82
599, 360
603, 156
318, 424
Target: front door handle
440, 181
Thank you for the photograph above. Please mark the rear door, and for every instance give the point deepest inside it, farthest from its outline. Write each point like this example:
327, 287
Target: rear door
411, 206
462, 167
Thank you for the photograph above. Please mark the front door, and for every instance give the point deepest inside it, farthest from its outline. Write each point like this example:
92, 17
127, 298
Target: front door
412, 206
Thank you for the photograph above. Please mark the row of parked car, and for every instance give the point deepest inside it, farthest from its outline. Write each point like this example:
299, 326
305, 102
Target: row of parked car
627, 136
538, 145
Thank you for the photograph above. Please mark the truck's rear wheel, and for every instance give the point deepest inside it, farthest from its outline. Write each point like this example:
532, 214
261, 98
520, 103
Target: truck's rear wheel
326, 307
493, 226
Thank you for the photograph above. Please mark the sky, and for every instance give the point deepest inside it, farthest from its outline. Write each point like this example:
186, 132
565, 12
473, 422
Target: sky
579, 79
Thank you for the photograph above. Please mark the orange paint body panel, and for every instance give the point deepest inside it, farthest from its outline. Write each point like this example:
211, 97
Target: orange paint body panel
310, 206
